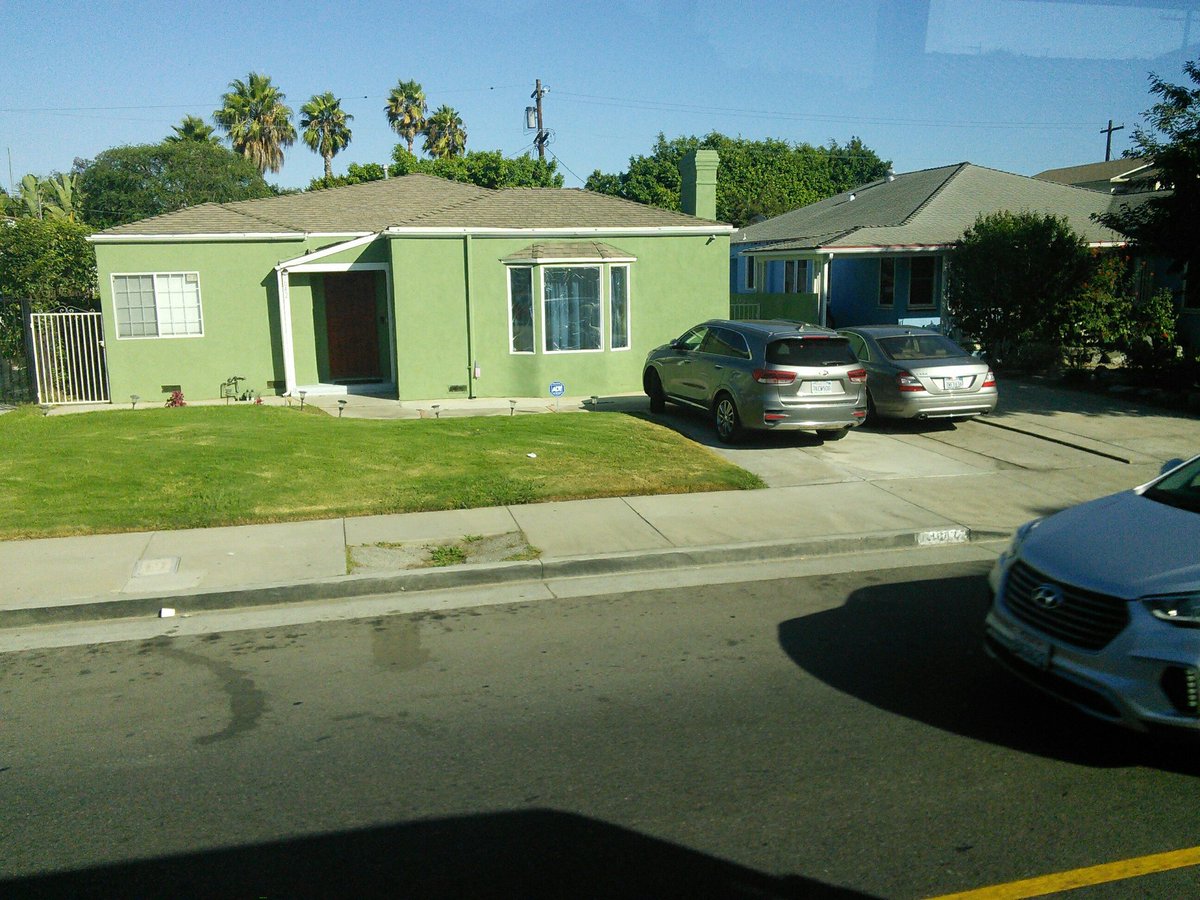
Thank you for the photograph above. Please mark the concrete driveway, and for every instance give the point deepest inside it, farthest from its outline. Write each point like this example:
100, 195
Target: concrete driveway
1038, 427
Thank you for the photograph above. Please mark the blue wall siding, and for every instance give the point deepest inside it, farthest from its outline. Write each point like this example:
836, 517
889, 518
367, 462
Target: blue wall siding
854, 292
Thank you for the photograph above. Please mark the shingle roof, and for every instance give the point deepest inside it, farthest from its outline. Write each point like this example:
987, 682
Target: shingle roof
551, 250
407, 201
1099, 171
928, 208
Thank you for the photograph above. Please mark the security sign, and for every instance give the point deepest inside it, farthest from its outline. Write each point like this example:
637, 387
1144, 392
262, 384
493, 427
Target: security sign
557, 389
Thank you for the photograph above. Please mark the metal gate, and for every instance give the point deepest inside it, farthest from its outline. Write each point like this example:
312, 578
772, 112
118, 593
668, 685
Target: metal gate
68, 357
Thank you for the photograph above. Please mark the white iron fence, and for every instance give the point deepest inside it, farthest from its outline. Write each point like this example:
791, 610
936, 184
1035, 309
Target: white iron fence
68, 357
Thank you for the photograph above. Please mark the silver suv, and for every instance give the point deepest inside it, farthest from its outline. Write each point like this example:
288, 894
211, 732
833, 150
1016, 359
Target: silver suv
762, 375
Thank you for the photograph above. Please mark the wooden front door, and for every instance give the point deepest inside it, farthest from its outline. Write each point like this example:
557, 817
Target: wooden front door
351, 327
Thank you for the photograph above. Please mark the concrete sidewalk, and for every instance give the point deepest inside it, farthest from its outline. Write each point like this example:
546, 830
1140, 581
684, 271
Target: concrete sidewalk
126, 575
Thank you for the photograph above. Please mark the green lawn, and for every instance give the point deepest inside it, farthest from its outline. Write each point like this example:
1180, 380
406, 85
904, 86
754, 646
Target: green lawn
126, 470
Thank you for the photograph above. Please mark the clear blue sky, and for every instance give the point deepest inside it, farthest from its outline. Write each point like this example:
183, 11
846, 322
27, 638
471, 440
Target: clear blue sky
1019, 85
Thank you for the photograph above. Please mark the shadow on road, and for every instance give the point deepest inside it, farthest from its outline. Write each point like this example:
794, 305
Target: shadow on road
536, 853
915, 649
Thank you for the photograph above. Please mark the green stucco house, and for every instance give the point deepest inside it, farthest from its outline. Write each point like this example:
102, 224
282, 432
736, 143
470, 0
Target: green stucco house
413, 287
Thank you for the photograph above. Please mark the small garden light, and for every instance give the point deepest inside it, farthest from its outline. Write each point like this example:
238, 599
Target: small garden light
302, 393
133, 400
512, 407
341, 406
437, 410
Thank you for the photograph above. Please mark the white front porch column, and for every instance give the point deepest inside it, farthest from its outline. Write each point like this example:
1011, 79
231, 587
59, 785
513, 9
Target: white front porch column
285, 330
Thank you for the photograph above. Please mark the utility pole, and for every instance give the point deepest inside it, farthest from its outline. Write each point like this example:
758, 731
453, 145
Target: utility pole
542, 134
1108, 144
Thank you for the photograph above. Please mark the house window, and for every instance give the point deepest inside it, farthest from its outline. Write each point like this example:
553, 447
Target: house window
157, 305
1191, 290
887, 281
920, 284
618, 307
795, 276
571, 310
750, 273
520, 310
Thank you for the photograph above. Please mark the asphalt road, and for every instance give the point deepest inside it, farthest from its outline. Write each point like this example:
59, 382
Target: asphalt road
839, 734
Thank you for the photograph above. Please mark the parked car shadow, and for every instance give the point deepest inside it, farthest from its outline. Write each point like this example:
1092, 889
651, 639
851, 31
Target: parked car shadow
1048, 396
534, 853
697, 426
916, 649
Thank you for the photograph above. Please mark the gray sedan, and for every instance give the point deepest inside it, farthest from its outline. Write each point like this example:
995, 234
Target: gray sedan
1099, 605
917, 373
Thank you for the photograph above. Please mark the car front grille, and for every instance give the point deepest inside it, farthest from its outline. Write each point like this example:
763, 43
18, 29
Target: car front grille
1083, 618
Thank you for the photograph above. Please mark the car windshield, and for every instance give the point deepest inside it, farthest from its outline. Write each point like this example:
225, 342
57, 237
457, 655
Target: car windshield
920, 346
1180, 489
811, 351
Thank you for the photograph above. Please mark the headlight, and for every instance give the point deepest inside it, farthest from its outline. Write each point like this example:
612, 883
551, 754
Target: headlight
1019, 537
1178, 609
1005, 559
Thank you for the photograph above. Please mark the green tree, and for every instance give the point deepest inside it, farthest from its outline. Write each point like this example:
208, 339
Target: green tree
1012, 278
48, 261
755, 178
355, 174
193, 128
445, 135
405, 109
485, 168
63, 197
30, 200
125, 184
258, 123
1167, 223
326, 128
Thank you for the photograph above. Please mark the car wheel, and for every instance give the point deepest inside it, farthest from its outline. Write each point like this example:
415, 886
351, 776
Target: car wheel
727, 420
835, 434
872, 413
654, 390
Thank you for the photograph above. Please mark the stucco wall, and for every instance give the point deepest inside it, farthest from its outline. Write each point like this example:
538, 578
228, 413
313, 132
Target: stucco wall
674, 283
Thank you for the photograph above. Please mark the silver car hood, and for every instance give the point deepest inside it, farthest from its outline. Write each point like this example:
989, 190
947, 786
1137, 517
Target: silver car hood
1124, 545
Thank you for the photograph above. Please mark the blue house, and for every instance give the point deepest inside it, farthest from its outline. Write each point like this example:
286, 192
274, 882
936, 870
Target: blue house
878, 254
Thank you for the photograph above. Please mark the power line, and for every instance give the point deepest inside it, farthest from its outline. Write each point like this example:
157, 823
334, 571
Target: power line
637, 103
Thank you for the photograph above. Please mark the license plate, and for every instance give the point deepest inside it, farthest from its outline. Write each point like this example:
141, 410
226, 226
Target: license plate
821, 387
953, 384
1028, 648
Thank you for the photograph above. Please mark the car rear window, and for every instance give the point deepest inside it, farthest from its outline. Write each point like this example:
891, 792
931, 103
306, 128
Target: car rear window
813, 351
920, 346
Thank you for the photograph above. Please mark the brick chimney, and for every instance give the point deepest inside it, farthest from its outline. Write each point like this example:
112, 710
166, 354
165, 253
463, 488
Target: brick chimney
698, 184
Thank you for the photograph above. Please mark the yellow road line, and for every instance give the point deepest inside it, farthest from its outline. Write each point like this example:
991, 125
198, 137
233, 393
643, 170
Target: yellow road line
1077, 878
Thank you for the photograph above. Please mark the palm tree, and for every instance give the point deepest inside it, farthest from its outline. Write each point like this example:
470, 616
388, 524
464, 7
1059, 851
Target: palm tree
444, 134
406, 110
325, 130
258, 123
192, 128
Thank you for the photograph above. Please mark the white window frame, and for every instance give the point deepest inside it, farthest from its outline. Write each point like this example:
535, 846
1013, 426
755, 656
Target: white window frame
158, 305
800, 269
628, 307
600, 268
533, 281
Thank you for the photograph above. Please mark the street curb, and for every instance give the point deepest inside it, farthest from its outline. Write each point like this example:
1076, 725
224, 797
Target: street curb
414, 581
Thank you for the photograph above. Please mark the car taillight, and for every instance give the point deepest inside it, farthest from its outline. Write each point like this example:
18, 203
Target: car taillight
989, 380
773, 376
908, 383
857, 376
